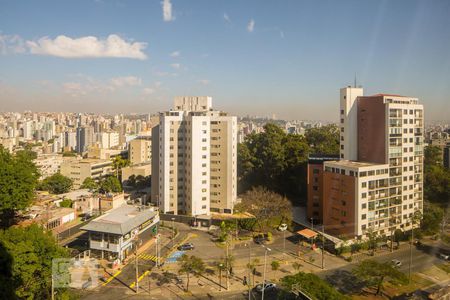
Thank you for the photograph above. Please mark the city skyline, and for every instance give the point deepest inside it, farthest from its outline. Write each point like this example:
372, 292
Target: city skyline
253, 58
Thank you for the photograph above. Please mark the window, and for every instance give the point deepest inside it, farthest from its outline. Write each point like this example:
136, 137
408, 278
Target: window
363, 216
364, 184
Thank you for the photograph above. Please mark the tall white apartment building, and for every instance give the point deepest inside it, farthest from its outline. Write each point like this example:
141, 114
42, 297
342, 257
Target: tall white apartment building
194, 154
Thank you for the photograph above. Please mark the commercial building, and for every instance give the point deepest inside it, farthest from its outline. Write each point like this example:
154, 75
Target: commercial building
79, 169
113, 234
194, 159
48, 164
377, 184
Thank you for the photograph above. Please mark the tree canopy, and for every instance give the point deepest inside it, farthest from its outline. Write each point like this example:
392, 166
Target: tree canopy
437, 178
278, 161
18, 179
56, 184
27, 262
266, 206
374, 274
323, 140
90, 184
311, 285
110, 184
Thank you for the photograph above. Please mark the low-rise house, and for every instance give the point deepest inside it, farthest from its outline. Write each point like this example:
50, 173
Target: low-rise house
113, 234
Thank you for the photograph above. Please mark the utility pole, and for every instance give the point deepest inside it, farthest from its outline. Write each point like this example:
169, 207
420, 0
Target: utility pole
173, 231
156, 251
284, 241
249, 267
136, 264
264, 276
227, 268
53, 288
410, 251
323, 247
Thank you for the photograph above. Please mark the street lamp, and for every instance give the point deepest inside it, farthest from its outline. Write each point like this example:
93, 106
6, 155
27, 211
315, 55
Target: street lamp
264, 276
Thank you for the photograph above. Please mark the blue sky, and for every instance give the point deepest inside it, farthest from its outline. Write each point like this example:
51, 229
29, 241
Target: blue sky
287, 58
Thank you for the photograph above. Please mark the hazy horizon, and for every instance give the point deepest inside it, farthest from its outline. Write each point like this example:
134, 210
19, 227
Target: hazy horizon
288, 58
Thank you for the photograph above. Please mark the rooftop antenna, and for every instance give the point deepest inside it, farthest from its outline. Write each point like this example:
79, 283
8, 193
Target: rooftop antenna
355, 81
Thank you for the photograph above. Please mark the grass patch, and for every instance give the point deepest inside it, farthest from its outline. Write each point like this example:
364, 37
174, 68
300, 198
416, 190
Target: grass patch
444, 267
417, 282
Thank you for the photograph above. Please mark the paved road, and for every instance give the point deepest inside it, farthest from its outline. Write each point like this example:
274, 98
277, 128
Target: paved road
423, 258
339, 275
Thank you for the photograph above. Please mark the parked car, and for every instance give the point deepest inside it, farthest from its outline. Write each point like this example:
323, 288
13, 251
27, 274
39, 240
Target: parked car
396, 263
269, 286
444, 256
260, 239
282, 227
187, 246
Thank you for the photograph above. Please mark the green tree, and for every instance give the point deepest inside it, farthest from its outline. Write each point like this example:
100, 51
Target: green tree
56, 184
309, 284
275, 160
90, 184
18, 180
118, 163
66, 203
191, 265
31, 251
296, 266
431, 218
323, 140
251, 266
374, 274
266, 206
275, 264
436, 177
110, 184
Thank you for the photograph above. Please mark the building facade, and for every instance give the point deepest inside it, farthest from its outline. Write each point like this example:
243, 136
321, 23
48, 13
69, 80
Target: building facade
194, 154
140, 151
79, 169
378, 183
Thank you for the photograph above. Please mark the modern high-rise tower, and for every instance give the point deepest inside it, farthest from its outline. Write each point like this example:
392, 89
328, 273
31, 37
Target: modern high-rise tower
194, 154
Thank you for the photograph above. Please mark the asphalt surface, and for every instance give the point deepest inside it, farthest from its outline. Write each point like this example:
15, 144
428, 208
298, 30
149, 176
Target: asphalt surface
338, 272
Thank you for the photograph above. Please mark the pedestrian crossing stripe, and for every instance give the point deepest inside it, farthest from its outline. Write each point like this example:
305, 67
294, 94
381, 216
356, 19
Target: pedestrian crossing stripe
147, 257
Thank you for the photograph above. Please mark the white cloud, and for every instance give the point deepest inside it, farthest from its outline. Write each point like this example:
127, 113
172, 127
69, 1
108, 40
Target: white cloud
175, 66
126, 81
175, 54
204, 81
74, 89
11, 44
251, 25
226, 17
167, 11
87, 47
158, 84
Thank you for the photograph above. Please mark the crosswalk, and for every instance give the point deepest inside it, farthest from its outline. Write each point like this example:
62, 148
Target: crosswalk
146, 256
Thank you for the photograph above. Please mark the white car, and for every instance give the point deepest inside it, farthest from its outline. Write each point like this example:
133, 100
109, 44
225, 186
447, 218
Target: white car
444, 256
282, 227
396, 263
269, 286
